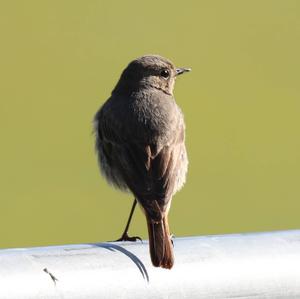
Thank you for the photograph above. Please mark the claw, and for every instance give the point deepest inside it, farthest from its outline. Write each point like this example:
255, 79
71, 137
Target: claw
171, 238
125, 237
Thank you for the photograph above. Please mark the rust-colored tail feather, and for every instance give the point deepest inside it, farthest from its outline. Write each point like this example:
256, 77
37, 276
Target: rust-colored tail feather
161, 248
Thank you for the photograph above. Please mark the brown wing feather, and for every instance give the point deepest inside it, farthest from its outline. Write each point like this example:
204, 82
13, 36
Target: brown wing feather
151, 179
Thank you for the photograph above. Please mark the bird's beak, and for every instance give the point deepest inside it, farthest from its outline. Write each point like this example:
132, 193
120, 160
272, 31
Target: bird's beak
182, 70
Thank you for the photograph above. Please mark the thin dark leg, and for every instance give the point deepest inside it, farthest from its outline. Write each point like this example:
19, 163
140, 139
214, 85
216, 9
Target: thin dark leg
125, 236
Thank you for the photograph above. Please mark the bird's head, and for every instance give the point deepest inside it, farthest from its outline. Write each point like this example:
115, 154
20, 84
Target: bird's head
149, 71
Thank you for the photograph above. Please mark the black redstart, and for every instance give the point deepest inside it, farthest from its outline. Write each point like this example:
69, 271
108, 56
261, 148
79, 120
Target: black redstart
140, 135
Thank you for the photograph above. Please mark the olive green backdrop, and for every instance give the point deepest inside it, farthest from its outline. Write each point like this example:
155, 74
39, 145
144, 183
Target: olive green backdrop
59, 60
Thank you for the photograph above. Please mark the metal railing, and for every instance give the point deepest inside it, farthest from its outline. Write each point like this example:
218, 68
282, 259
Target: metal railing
254, 265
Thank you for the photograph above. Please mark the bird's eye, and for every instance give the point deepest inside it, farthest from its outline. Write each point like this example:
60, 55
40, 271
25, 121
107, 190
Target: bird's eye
165, 73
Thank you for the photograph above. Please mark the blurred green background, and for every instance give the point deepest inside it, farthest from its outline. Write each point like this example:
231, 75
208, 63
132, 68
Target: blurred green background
59, 60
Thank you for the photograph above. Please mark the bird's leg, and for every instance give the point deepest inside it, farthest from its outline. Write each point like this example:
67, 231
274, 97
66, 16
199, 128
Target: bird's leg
125, 236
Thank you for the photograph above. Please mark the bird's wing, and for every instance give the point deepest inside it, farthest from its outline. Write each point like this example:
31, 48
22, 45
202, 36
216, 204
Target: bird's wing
153, 176
149, 171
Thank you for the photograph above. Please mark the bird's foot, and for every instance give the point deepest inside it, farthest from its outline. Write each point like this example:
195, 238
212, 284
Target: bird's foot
125, 237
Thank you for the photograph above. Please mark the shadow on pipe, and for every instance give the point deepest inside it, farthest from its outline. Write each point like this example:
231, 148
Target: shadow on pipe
133, 257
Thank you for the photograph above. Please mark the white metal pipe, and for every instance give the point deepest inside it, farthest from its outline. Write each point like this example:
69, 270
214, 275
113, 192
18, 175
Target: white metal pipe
256, 265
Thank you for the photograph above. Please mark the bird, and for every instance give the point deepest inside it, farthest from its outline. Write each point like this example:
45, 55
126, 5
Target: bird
140, 144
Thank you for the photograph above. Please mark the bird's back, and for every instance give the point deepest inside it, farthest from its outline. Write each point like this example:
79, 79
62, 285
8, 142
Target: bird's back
141, 127
144, 117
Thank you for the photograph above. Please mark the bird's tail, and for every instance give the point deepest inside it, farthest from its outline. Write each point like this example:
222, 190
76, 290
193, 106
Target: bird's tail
161, 248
